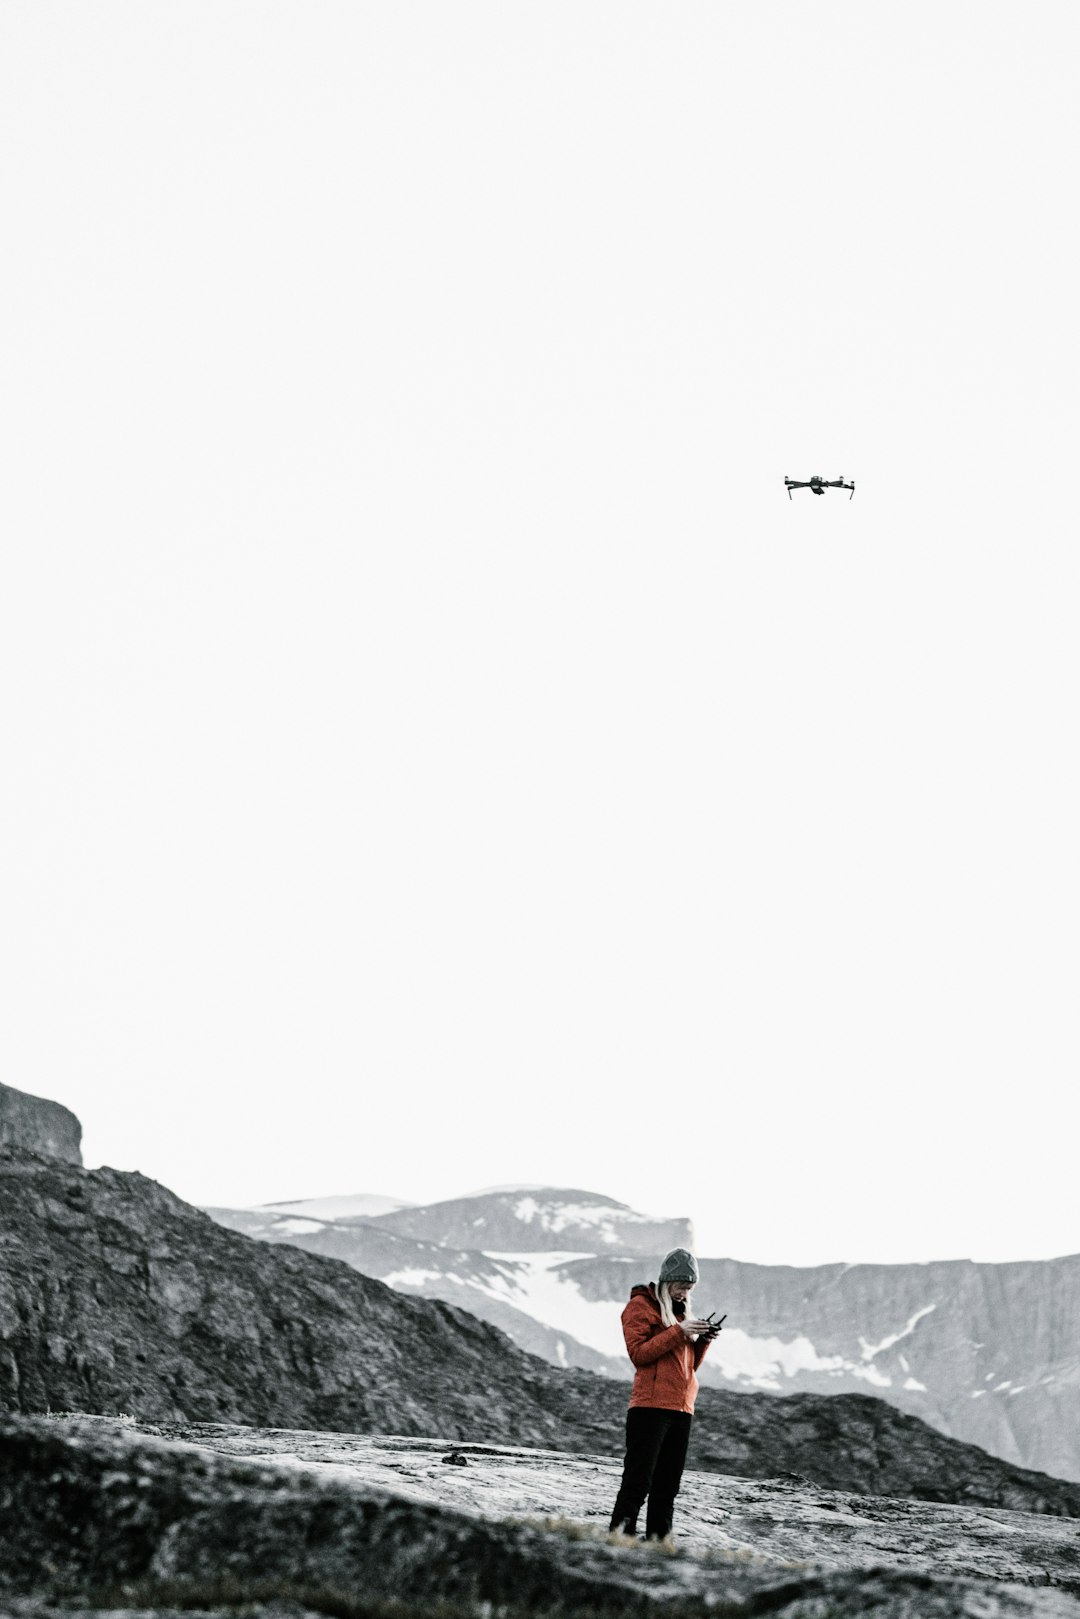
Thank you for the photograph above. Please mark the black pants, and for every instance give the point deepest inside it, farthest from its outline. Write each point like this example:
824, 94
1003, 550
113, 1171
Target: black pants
656, 1444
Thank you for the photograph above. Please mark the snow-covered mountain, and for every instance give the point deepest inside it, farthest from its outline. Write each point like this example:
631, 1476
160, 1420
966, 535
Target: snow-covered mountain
539, 1219
986, 1353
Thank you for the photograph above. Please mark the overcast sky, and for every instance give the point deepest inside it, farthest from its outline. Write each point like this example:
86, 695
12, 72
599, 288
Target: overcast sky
434, 750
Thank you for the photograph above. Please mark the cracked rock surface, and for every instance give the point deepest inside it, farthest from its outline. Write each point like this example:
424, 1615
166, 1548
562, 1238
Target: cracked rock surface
100, 1502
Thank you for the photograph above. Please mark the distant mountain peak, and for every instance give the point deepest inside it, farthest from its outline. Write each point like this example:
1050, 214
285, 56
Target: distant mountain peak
524, 1219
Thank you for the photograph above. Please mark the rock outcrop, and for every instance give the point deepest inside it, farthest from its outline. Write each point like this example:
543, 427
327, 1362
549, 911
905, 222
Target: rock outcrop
38, 1125
117, 1517
116, 1296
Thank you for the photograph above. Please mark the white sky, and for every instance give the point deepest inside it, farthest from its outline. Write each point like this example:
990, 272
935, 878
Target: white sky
434, 750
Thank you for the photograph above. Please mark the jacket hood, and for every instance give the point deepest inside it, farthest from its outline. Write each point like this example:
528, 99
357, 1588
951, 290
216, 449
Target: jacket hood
647, 1290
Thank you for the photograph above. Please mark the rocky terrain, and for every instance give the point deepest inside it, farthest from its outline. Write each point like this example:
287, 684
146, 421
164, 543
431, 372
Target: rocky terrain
41, 1126
986, 1353
201, 1517
116, 1296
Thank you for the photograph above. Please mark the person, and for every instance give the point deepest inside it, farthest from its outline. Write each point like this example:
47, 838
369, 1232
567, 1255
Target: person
666, 1345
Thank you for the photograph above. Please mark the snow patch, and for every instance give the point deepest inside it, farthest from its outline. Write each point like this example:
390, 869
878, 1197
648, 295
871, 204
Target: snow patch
870, 1350
299, 1227
913, 1383
873, 1375
763, 1362
412, 1278
602, 1218
535, 1287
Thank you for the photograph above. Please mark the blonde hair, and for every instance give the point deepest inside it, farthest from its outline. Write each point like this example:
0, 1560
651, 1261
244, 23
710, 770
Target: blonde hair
667, 1308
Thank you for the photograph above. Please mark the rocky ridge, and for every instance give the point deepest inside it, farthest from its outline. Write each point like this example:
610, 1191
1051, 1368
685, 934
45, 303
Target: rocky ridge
116, 1296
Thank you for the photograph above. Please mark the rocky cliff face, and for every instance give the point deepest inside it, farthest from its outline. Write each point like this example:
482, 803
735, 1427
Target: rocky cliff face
40, 1126
115, 1296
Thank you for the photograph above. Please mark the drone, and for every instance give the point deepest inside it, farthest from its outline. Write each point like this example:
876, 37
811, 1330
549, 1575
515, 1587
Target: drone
818, 485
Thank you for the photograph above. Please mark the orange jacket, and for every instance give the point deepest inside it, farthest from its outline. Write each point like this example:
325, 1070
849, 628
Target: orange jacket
665, 1358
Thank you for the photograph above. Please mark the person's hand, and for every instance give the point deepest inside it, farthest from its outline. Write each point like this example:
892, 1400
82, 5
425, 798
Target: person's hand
693, 1329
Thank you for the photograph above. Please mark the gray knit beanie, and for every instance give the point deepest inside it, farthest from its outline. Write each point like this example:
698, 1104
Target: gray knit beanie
679, 1266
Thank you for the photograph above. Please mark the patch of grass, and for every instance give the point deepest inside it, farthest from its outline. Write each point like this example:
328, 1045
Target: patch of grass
727, 1556
574, 1529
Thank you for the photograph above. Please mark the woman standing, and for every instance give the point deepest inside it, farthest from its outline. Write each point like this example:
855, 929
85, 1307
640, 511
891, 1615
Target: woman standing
666, 1346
